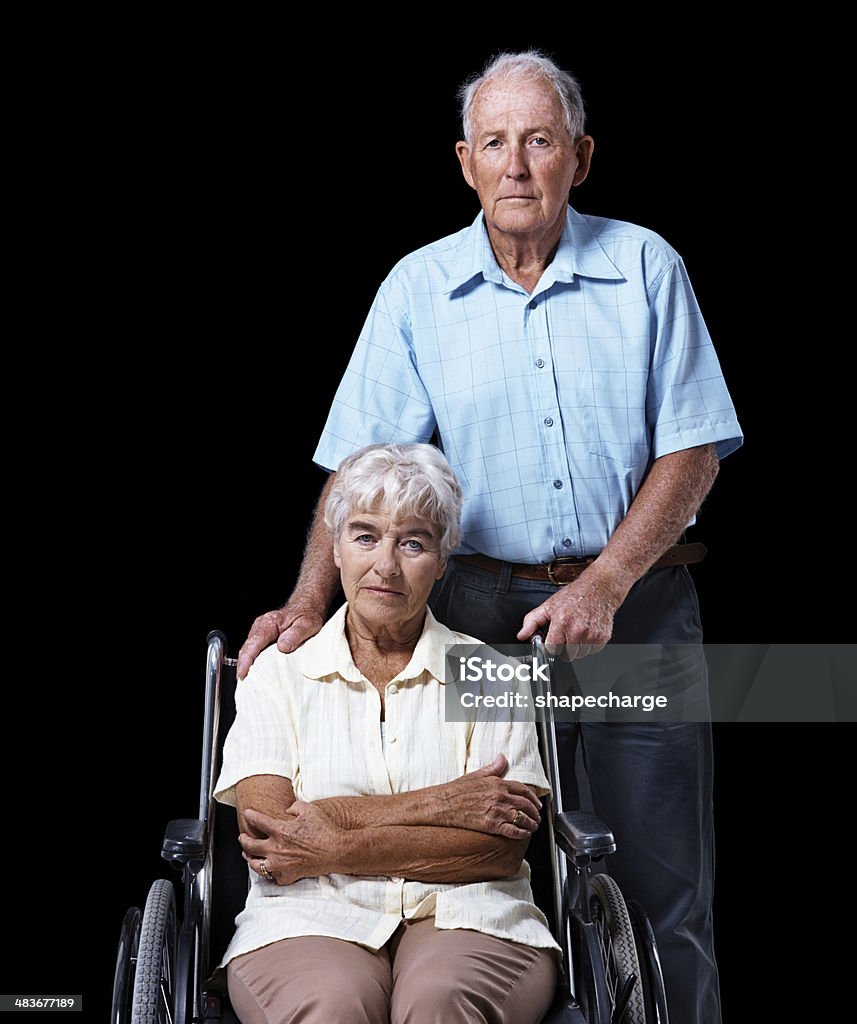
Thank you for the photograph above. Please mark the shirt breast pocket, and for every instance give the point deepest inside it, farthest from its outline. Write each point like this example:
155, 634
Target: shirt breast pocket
612, 405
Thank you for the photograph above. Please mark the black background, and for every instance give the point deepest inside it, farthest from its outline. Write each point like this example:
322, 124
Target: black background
208, 210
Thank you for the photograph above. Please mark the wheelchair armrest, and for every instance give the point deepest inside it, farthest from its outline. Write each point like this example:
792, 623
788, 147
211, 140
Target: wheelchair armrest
184, 841
581, 834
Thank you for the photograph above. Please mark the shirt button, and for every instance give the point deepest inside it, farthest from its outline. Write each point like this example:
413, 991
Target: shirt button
566, 542
392, 689
540, 363
548, 421
533, 304
558, 484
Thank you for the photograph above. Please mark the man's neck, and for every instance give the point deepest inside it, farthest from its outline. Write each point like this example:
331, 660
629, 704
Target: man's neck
524, 257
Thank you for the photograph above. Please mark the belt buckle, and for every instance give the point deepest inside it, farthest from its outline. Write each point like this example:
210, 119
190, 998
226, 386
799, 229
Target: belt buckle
565, 560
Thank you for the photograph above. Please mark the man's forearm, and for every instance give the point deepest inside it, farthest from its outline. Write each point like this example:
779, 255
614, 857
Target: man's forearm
668, 499
318, 580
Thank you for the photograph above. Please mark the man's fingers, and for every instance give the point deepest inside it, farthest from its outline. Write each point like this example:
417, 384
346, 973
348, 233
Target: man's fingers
263, 633
300, 630
248, 654
534, 620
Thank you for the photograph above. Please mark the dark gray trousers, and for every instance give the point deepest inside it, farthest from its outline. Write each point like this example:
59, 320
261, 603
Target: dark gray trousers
650, 781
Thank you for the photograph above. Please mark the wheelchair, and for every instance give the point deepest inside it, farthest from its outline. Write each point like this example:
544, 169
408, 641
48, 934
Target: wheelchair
165, 963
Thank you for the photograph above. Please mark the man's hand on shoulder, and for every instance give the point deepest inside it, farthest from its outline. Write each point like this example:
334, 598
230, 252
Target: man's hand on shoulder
288, 627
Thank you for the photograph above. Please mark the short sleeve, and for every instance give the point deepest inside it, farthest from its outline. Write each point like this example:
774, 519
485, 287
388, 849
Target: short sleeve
688, 403
381, 398
263, 737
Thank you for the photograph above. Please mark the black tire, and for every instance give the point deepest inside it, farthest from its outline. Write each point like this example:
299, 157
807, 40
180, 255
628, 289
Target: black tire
618, 947
654, 991
154, 981
126, 962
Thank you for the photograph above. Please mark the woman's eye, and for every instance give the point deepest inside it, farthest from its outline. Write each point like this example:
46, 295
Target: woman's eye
365, 538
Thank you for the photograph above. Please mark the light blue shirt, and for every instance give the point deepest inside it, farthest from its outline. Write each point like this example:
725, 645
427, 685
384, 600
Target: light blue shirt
550, 406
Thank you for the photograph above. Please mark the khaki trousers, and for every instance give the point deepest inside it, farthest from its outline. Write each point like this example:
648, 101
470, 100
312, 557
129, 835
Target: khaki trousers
423, 975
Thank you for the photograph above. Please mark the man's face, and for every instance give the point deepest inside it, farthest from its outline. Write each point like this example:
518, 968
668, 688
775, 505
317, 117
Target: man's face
522, 161
388, 568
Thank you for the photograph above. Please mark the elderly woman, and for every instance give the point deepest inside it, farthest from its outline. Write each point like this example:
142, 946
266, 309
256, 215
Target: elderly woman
385, 843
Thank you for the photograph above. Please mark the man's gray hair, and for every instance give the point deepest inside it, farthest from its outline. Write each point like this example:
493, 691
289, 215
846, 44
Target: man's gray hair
529, 64
406, 480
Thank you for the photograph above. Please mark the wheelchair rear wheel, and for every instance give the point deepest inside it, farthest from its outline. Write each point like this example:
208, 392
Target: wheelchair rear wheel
154, 980
126, 960
654, 992
618, 948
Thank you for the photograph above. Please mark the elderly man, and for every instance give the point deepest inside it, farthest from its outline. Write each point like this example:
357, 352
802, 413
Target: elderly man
563, 365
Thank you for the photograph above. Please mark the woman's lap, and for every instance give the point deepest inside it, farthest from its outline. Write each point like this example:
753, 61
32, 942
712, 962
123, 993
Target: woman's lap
423, 975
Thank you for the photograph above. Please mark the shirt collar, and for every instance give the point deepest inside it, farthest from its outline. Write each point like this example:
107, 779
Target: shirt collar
328, 654
579, 253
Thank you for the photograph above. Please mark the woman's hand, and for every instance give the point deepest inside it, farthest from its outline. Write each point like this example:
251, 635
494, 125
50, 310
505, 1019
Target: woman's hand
304, 843
485, 802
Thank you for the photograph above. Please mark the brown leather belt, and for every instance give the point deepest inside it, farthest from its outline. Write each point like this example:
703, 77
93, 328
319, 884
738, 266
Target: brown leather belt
560, 571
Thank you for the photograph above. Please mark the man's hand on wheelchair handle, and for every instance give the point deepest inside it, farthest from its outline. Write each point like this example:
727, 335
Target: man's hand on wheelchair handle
578, 618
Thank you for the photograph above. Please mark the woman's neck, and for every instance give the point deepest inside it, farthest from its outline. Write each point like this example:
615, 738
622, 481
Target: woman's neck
381, 653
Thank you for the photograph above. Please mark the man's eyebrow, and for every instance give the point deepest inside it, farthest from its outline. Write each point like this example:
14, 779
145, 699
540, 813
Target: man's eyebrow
534, 130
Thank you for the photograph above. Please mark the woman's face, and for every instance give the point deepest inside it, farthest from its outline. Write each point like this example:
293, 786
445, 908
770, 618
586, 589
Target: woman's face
388, 568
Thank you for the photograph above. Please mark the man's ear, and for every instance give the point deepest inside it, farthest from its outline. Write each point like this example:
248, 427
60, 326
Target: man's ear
462, 151
584, 148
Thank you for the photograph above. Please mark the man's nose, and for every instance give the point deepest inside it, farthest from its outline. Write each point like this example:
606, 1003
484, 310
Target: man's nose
517, 166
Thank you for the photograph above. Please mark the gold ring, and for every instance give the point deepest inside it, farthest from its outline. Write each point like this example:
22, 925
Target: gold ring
264, 872
517, 818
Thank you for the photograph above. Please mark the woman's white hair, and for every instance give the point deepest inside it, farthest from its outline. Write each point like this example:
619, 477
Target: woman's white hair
404, 479
528, 64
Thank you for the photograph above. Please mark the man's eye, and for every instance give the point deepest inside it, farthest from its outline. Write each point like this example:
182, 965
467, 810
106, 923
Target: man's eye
413, 545
493, 144
365, 538
540, 141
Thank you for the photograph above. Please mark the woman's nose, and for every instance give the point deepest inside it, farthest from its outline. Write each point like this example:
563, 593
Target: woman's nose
386, 560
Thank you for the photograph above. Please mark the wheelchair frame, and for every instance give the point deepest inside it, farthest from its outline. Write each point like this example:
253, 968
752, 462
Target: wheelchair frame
611, 971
